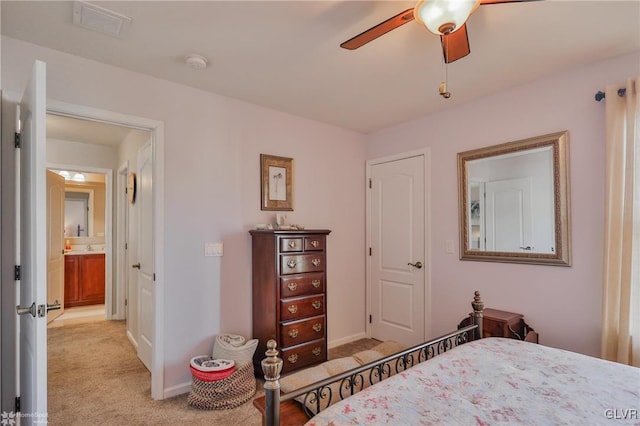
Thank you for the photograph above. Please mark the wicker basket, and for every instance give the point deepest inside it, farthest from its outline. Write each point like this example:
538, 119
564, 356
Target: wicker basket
223, 394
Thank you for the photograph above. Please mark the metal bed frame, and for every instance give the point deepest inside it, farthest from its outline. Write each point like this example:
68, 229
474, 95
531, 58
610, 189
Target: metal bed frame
320, 395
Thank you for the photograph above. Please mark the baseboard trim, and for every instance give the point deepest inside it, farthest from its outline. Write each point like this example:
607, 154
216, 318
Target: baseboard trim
177, 390
132, 340
343, 341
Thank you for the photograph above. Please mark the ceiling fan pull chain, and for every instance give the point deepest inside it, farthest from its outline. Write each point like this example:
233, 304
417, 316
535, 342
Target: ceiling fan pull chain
442, 90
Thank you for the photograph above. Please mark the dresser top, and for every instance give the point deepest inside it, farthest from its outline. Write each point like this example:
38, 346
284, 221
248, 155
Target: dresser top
289, 231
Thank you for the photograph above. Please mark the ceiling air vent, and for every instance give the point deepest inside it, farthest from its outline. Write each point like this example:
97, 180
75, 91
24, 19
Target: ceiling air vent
99, 19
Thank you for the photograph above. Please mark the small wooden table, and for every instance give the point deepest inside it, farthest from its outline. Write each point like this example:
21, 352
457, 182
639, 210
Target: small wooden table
498, 323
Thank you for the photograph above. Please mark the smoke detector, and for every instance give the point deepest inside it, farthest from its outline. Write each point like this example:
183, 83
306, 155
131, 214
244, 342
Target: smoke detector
99, 19
197, 62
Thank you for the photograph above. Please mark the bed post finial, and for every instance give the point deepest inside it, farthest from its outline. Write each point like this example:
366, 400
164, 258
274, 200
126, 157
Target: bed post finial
478, 308
271, 367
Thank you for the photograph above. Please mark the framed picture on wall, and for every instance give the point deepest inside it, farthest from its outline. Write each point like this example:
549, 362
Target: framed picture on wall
276, 182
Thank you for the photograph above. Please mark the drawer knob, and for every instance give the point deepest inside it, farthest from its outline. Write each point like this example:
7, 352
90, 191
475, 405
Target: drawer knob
292, 286
316, 304
293, 333
317, 327
292, 308
316, 262
316, 351
292, 244
291, 264
315, 283
293, 358
315, 243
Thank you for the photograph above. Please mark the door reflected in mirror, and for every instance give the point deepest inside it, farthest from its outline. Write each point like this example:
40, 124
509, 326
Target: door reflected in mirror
77, 205
514, 202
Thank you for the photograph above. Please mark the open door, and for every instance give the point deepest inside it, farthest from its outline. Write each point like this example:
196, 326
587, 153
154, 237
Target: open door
31, 248
55, 243
143, 197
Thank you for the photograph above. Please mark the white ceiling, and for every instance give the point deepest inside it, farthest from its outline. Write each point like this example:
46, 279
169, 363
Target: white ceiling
285, 55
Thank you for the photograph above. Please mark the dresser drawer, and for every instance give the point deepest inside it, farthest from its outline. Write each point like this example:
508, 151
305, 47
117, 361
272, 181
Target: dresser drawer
301, 307
297, 263
296, 332
303, 355
313, 243
291, 244
299, 285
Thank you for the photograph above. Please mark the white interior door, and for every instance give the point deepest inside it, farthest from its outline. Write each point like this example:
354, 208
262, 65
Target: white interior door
145, 265
31, 247
508, 219
122, 244
55, 243
397, 229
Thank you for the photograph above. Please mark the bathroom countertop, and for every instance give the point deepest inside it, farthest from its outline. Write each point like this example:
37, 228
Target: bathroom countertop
74, 252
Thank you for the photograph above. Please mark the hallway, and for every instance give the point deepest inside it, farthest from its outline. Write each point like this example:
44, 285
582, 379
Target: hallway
95, 378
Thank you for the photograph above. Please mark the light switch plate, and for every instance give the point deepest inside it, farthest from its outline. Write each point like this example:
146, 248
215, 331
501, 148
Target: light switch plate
450, 247
213, 249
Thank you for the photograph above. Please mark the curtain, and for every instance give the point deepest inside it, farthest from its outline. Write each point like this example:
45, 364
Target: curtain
621, 280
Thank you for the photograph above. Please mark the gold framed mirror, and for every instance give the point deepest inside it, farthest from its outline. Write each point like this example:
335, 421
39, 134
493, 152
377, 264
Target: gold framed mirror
514, 202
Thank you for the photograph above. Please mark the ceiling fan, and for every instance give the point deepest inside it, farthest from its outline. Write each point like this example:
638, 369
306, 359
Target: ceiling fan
446, 18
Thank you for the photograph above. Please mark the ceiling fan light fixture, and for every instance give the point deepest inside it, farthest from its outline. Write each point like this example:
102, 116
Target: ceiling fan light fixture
444, 16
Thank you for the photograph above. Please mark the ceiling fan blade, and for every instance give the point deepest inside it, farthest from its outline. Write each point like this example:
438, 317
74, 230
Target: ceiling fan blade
503, 1
455, 45
379, 30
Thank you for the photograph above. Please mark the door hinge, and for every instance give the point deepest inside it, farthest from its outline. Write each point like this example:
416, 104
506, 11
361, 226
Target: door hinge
126, 302
17, 405
126, 246
17, 140
369, 183
370, 319
154, 276
17, 272
369, 251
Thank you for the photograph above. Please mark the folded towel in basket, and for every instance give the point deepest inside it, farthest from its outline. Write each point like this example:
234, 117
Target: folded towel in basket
233, 346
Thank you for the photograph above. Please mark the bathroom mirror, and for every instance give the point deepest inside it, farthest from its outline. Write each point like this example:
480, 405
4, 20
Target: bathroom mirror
514, 202
85, 210
78, 213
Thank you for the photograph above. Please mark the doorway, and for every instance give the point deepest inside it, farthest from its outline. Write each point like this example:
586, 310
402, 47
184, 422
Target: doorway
136, 132
398, 261
78, 226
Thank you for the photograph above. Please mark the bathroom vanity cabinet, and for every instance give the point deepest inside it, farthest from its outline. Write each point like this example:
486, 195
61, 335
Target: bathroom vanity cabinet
84, 279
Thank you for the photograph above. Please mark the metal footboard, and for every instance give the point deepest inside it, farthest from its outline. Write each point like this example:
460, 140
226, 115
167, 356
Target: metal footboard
317, 396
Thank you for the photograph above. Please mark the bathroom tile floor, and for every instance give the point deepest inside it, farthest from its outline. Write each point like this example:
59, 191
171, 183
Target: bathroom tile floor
79, 315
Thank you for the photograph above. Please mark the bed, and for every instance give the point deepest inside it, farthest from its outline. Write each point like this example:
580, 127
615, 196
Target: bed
462, 379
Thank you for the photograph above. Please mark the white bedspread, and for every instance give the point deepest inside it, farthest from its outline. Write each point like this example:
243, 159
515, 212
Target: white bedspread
498, 381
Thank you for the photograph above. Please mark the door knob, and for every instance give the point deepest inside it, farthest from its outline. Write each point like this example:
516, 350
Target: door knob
136, 266
27, 310
417, 265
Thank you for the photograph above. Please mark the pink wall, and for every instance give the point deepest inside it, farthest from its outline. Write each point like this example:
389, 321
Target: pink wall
561, 303
212, 194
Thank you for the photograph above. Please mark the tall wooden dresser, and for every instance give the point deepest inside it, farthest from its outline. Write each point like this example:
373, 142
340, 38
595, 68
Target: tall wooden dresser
289, 295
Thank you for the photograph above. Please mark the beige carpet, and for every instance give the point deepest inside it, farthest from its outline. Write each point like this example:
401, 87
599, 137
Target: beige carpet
95, 378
